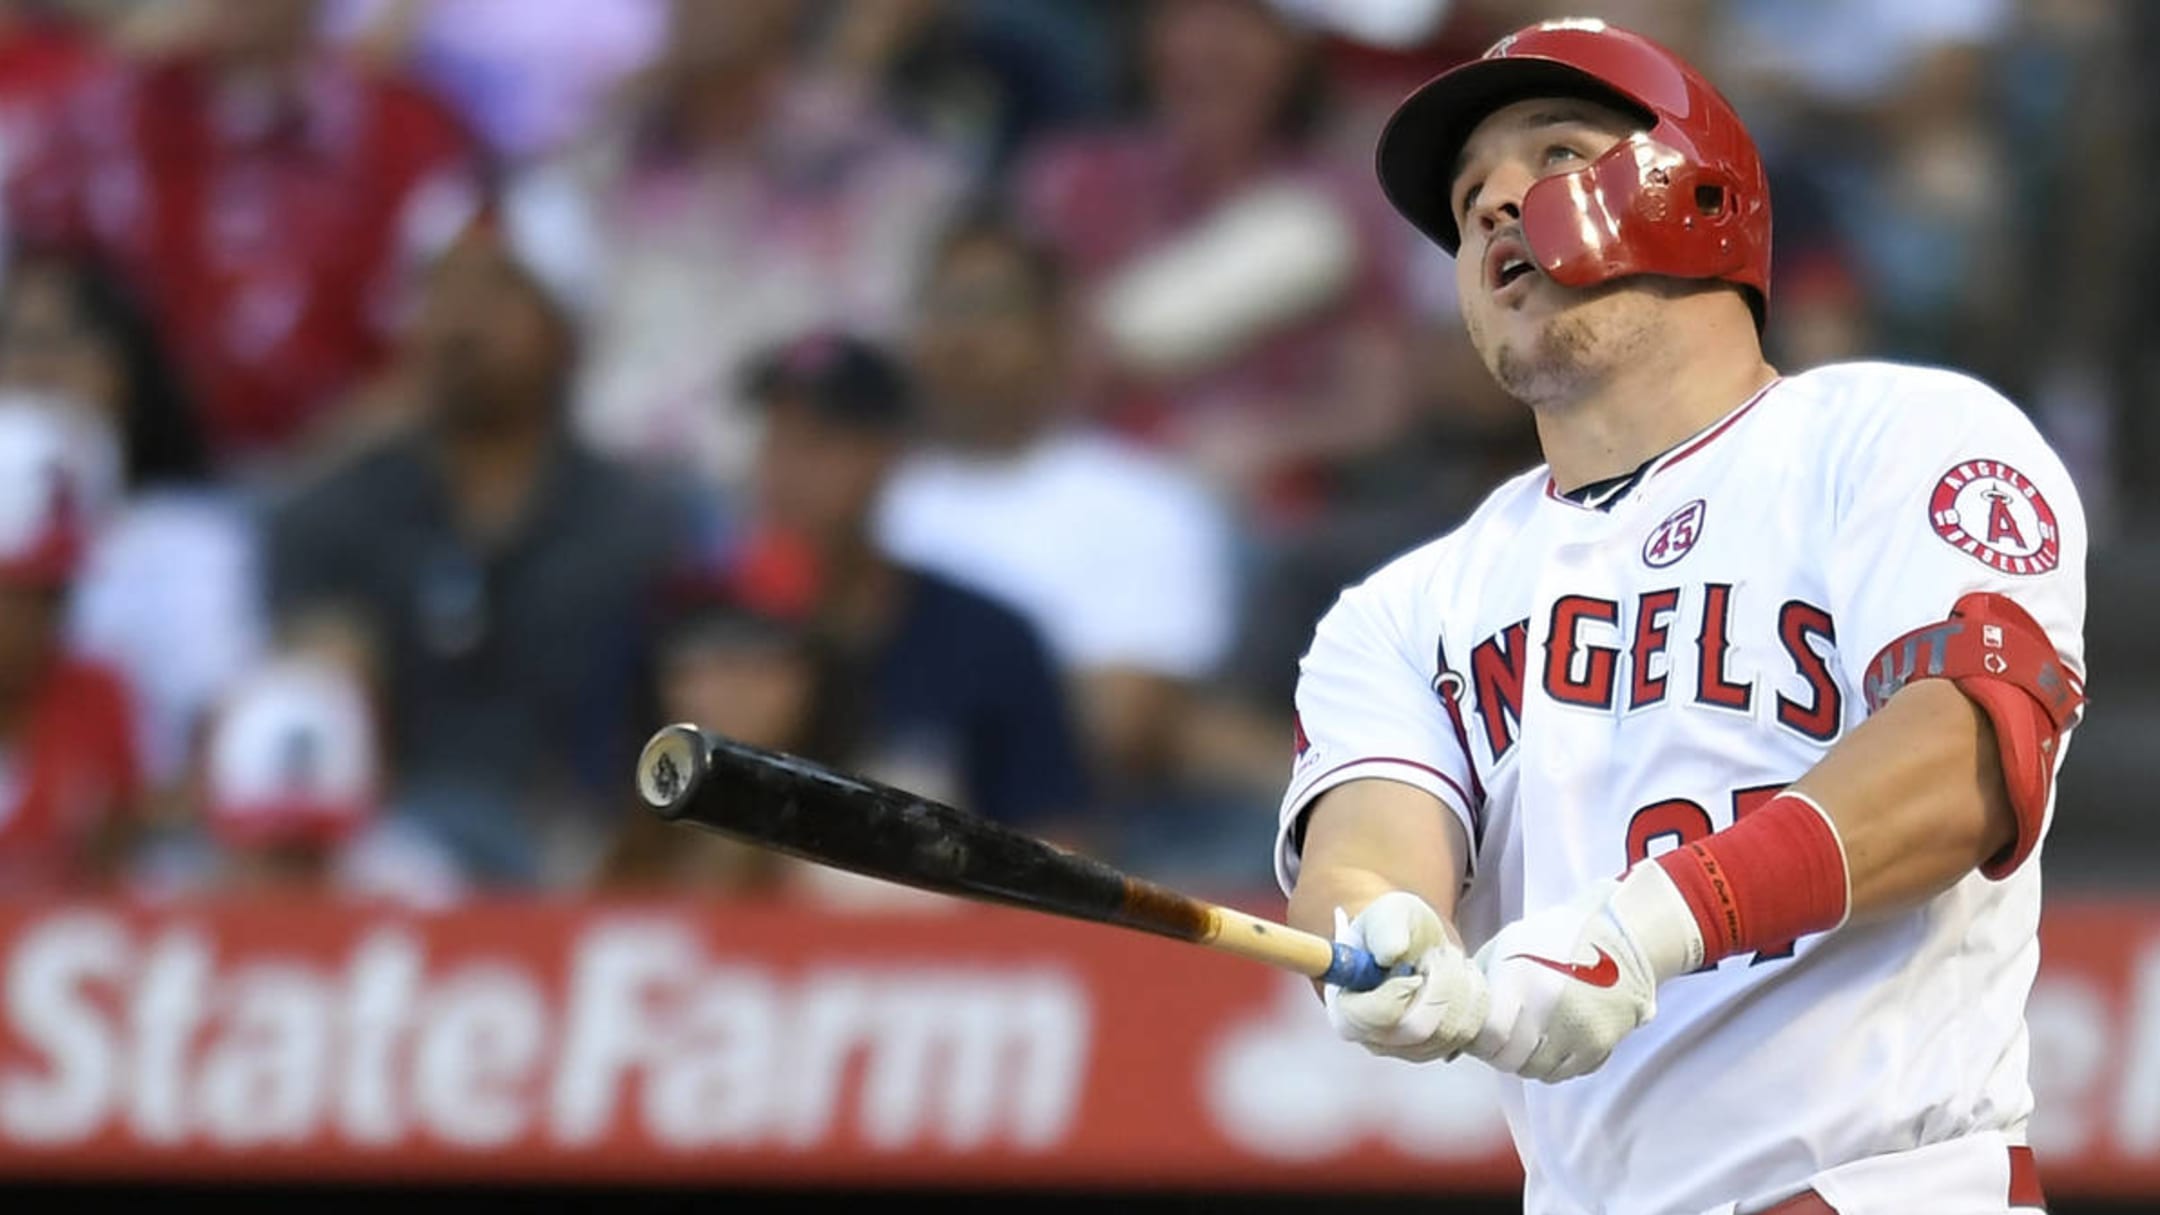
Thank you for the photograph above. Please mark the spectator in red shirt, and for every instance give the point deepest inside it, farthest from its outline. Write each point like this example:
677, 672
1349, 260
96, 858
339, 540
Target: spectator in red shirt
41, 58
39, 61
68, 784
166, 593
1248, 305
260, 193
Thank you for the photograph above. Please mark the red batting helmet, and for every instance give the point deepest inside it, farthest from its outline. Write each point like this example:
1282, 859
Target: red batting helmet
1686, 197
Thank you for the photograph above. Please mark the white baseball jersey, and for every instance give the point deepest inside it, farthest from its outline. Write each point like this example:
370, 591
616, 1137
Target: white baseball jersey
1585, 687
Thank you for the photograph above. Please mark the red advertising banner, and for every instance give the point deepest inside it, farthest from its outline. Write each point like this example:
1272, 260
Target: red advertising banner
759, 1044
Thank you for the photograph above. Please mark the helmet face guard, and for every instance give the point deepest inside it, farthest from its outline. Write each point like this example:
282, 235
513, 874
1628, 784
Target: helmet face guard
1640, 208
1686, 196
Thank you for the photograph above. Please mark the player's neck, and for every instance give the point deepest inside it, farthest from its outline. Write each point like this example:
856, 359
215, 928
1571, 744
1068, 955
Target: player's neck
1647, 406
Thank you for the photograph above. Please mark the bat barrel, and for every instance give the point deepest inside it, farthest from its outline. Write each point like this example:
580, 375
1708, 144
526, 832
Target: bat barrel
803, 809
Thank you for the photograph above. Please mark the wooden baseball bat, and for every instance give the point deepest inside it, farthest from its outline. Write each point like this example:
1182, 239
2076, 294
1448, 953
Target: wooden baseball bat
806, 810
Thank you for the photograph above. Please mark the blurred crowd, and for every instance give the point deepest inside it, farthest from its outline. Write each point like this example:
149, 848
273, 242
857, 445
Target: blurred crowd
406, 406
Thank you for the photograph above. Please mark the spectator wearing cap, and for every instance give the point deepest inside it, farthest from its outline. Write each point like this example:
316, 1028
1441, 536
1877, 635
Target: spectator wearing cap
1245, 300
502, 572
289, 788
1119, 557
738, 657
259, 191
168, 592
69, 787
942, 689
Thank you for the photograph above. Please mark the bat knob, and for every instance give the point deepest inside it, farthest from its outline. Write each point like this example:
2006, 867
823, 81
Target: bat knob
670, 767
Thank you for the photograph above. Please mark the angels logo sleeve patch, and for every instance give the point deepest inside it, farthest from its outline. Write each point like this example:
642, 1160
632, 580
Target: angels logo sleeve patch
1994, 514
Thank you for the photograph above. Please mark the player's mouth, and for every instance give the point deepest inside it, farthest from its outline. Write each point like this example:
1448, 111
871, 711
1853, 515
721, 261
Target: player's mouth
1509, 271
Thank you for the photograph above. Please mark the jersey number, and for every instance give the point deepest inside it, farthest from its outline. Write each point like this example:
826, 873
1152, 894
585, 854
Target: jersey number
1673, 539
1683, 822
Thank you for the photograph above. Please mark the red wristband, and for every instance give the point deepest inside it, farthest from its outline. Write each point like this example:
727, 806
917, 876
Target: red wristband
1775, 875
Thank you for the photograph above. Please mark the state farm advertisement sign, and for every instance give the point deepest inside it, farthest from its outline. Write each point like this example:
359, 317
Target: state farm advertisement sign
760, 1044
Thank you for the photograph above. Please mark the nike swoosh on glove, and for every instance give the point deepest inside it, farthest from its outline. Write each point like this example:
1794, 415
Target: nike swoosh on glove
1565, 985
1431, 1013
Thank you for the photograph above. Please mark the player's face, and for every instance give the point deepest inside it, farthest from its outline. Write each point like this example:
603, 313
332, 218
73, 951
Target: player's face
1529, 329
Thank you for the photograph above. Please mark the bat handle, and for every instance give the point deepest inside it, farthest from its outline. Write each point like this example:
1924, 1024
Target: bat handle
1333, 962
1353, 969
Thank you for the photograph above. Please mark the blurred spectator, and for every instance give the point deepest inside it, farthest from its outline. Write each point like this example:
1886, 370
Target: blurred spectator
814, 643
168, 592
42, 57
753, 190
69, 793
948, 693
1883, 111
527, 75
986, 77
749, 670
290, 789
1245, 306
1121, 559
261, 195
2074, 90
502, 571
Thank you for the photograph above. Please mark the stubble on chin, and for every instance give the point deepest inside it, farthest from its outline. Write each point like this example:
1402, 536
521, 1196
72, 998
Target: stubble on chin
1570, 350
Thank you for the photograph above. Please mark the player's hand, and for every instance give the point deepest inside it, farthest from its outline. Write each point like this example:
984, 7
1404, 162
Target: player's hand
1567, 984
1431, 1013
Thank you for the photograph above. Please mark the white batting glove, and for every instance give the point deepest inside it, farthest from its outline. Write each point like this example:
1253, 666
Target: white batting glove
1432, 1013
1567, 984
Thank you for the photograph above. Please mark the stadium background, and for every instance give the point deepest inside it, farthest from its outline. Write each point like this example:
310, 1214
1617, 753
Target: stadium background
983, 394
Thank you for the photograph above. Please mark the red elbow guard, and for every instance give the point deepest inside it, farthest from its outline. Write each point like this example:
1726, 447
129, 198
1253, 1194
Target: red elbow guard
2001, 658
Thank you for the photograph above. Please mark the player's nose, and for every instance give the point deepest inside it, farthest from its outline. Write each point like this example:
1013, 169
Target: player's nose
1499, 199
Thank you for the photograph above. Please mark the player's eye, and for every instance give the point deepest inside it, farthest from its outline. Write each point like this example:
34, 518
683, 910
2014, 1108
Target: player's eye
1561, 153
1463, 204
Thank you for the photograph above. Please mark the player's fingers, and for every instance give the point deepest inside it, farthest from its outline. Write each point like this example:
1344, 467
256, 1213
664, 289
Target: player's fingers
1399, 925
1516, 1048
1455, 996
1556, 1053
1541, 1061
1363, 1015
1573, 1064
1346, 929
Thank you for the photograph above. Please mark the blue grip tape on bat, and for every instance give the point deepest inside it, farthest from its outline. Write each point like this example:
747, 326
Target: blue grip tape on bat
1353, 969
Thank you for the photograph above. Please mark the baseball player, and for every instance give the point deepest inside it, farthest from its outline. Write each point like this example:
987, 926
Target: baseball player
1725, 741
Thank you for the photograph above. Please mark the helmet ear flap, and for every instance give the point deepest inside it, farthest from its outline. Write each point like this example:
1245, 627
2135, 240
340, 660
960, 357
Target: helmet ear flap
1716, 206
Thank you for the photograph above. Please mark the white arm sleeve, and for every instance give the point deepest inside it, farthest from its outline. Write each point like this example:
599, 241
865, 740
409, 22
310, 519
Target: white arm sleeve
1366, 709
